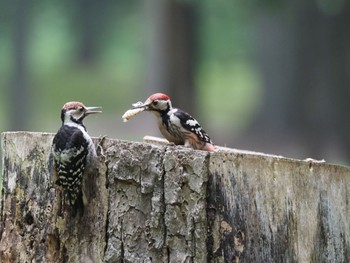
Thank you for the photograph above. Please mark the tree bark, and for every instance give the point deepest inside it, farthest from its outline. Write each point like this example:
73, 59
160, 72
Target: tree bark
34, 226
162, 203
270, 209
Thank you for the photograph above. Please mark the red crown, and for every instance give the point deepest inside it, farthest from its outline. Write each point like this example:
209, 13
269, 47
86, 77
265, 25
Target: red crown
159, 96
73, 105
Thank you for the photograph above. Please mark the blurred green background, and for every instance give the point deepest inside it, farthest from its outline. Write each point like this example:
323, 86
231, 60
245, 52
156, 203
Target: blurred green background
270, 76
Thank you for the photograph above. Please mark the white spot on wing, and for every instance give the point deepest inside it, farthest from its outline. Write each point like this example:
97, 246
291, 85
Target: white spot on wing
192, 122
66, 155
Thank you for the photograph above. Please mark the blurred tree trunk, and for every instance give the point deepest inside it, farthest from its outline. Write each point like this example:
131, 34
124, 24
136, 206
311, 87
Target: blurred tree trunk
19, 89
305, 65
319, 76
173, 51
90, 17
341, 62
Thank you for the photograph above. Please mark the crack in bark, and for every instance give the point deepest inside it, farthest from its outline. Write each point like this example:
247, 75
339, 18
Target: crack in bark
122, 256
102, 159
193, 238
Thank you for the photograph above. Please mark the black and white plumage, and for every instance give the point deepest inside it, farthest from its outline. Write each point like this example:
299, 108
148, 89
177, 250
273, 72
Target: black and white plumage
72, 149
175, 125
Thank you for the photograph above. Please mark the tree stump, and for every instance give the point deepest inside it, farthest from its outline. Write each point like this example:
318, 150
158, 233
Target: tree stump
162, 203
33, 226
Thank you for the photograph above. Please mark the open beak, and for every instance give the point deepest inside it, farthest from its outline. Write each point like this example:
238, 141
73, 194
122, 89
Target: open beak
92, 110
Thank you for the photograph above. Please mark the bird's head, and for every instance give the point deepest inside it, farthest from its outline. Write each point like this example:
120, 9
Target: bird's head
75, 111
158, 102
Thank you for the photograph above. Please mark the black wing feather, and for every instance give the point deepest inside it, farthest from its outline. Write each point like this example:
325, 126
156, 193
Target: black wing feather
69, 137
191, 124
70, 171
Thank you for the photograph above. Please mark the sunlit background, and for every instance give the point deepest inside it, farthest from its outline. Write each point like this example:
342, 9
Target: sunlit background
269, 76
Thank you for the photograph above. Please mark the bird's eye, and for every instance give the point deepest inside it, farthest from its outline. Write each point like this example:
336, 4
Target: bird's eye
155, 102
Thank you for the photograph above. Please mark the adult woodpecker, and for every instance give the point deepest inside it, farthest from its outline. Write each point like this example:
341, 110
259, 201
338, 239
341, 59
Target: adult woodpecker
73, 151
175, 125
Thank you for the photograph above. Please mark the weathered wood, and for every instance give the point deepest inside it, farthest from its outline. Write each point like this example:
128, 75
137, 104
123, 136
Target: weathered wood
163, 203
34, 227
265, 208
157, 203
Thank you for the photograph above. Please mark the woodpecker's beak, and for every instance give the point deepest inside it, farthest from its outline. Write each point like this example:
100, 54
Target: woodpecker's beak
141, 105
92, 110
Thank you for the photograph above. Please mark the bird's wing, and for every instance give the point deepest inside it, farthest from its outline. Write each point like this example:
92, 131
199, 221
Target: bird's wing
70, 151
192, 125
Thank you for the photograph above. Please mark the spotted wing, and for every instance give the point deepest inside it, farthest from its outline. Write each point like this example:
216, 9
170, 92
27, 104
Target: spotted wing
192, 125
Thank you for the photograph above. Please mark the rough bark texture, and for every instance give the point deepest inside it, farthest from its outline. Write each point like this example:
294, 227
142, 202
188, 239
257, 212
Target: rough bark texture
34, 226
161, 203
270, 209
157, 203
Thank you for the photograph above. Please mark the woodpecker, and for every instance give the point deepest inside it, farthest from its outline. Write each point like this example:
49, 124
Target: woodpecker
72, 150
175, 125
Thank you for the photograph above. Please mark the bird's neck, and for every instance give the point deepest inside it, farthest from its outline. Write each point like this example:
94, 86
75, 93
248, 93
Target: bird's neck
74, 123
166, 110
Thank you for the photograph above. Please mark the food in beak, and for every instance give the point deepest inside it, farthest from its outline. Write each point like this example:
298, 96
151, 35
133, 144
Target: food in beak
136, 109
138, 104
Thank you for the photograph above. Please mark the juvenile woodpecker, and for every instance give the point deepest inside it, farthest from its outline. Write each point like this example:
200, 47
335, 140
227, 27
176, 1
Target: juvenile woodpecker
72, 149
176, 125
